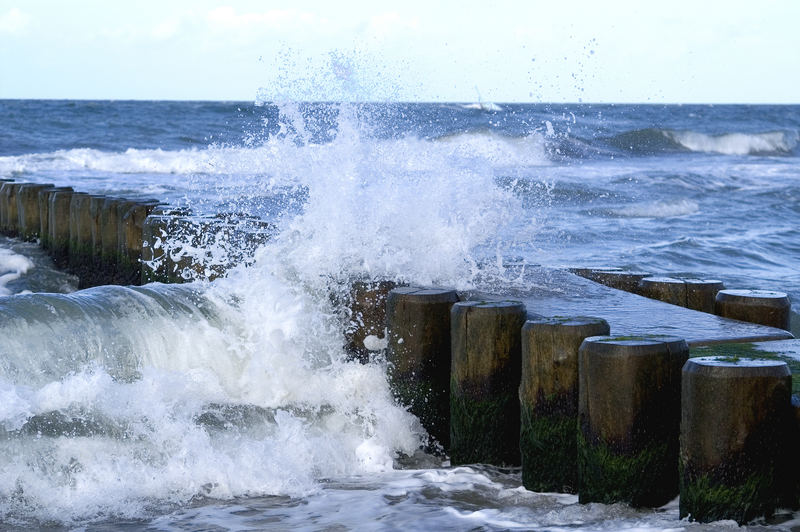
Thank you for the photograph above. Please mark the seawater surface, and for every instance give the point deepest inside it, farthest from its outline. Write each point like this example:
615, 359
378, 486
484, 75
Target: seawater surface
233, 405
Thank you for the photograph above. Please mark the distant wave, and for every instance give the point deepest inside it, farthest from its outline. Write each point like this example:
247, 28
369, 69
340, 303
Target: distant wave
769, 143
658, 209
652, 141
497, 149
483, 106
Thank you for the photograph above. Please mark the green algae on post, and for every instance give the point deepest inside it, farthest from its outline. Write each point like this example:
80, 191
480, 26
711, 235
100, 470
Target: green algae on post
418, 351
548, 395
629, 417
736, 423
484, 382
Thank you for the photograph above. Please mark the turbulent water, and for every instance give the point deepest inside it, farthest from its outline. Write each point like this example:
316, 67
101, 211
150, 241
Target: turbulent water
232, 404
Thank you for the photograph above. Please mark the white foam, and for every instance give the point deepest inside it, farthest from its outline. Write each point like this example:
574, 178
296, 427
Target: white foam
12, 267
241, 387
735, 143
659, 209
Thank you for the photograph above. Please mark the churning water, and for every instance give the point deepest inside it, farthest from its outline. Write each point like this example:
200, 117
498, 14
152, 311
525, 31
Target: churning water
232, 404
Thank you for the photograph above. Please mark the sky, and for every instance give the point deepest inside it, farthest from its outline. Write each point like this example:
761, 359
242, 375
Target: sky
624, 51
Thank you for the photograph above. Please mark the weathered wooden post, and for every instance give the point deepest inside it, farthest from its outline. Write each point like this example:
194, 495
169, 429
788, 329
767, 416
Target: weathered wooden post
131, 238
629, 418
702, 293
80, 235
764, 307
484, 381
28, 210
666, 289
548, 395
59, 225
10, 220
613, 277
418, 352
109, 243
735, 426
45, 196
366, 303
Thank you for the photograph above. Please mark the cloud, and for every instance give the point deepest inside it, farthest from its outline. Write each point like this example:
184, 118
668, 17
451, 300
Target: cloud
382, 25
227, 18
14, 21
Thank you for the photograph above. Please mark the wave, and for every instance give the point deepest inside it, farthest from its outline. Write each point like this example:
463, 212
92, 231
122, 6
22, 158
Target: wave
497, 149
769, 143
658, 209
652, 141
12, 267
483, 106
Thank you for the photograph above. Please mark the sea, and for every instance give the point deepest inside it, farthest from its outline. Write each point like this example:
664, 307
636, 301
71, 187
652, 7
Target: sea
232, 404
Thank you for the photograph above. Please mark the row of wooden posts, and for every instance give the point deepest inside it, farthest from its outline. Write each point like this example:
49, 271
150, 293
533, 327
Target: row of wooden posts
764, 307
96, 237
107, 240
611, 418
615, 419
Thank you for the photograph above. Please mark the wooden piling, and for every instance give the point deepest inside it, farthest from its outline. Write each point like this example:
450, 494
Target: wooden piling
28, 215
44, 199
366, 304
701, 294
629, 417
736, 422
666, 289
418, 352
484, 381
548, 395
756, 306
59, 223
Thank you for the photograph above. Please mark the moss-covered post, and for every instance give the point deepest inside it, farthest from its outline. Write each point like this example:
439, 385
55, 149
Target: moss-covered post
548, 395
58, 225
96, 250
28, 210
131, 238
366, 304
418, 352
618, 278
484, 381
629, 418
702, 293
44, 214
735, 425
764, 307
11, 217
109, 244
5, 192
666, 289
80, 233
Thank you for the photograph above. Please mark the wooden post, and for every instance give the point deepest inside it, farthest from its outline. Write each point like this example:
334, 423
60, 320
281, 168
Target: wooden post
28, 210
44, 215
59, 224
418, 352
367, 307
484, 382
548, 395
702, 293
756, 306
735, 425
666, 289
629, 417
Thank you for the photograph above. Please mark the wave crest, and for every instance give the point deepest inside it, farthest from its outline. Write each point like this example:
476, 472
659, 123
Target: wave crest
768, 143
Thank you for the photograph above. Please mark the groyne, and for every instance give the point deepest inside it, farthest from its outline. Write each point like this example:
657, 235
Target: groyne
590, 389
107, 240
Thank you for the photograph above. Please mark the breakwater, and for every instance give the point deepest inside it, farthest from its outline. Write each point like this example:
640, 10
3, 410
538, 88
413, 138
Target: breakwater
485, 357
107, 240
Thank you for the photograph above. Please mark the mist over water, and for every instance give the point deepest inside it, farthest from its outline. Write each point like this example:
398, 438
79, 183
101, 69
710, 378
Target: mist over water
234, 401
